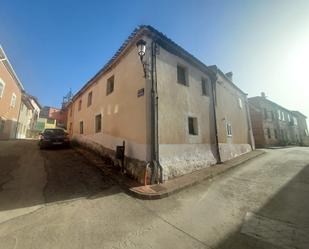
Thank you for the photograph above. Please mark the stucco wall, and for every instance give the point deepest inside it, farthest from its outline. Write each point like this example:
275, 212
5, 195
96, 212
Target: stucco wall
8, 113
229, 110
179, 152
123, 112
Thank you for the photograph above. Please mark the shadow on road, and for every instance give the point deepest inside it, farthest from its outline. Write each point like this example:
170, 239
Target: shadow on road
283, 222
29, 176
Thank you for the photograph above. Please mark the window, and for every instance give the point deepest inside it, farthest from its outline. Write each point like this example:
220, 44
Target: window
289, 118
1, 88
98, 123
13, 100
89, 102
240, 103
268, 133
306, 132
279, 114
272, 115
276, 134
110, 85
182, 75
229, 129
205, 87
79, 104
193, 127
2, 123
282, 116
295, 120
71, 111
70, 128
81, 127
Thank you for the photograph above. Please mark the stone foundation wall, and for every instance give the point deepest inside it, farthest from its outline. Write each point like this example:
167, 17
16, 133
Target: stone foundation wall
181, 159
230, 151
134, 168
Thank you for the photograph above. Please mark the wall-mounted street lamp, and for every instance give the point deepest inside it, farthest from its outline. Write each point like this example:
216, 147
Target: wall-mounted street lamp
141, 48
141, 51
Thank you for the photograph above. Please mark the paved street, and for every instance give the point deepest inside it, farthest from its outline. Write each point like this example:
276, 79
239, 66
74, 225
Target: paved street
54, 199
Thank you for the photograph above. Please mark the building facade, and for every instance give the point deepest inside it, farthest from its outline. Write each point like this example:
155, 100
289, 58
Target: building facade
275, 125
10, 98
172, 111
28, 117
60, 115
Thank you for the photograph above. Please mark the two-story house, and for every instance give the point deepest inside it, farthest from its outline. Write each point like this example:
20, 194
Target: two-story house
274, 125
174, 113
10, 98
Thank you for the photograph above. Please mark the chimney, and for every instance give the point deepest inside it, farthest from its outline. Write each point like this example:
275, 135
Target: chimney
229, 75
263, 95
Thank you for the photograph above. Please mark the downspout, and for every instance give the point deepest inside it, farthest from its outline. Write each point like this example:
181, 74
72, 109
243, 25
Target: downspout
214, 100
252, 142
18, 116
156, 176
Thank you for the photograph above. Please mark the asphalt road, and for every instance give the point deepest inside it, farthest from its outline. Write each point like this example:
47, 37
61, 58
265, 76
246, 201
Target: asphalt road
54, 199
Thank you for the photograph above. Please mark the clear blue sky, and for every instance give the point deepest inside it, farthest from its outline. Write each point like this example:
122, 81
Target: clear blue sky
55, 45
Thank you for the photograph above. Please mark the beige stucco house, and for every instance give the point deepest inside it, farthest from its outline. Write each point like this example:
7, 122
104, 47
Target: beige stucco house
174, 113
28, 117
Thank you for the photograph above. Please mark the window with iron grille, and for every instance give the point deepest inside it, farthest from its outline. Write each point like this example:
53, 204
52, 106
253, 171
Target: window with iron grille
110, 85
98, 123
81, 127
182, 75
193, 126
229, 129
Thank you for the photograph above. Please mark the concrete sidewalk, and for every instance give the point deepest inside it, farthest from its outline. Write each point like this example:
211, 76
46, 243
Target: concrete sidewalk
158, 191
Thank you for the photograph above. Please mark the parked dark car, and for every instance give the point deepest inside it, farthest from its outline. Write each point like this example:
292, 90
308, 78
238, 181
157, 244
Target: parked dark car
53, 137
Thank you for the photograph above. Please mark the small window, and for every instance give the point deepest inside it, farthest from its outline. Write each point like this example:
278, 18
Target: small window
279, 114
110, 85
289, 118
70, 128
98, 123
268, 133
1, 88
81, 127
2, 123
295, 120
276, 134
182, 75
272, 115
205, 87
193, 126
79, 104
306, 132
240, 103
89, 102
13, 100
229, 129
282, 116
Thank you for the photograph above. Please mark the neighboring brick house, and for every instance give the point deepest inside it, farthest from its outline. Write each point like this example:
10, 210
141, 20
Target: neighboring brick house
10, 98
273, 124
57, 114
173, 112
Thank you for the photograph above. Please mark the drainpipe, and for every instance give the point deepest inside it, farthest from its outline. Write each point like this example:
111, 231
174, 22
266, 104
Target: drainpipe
252, 142
156, 176
18, 116
214, 100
